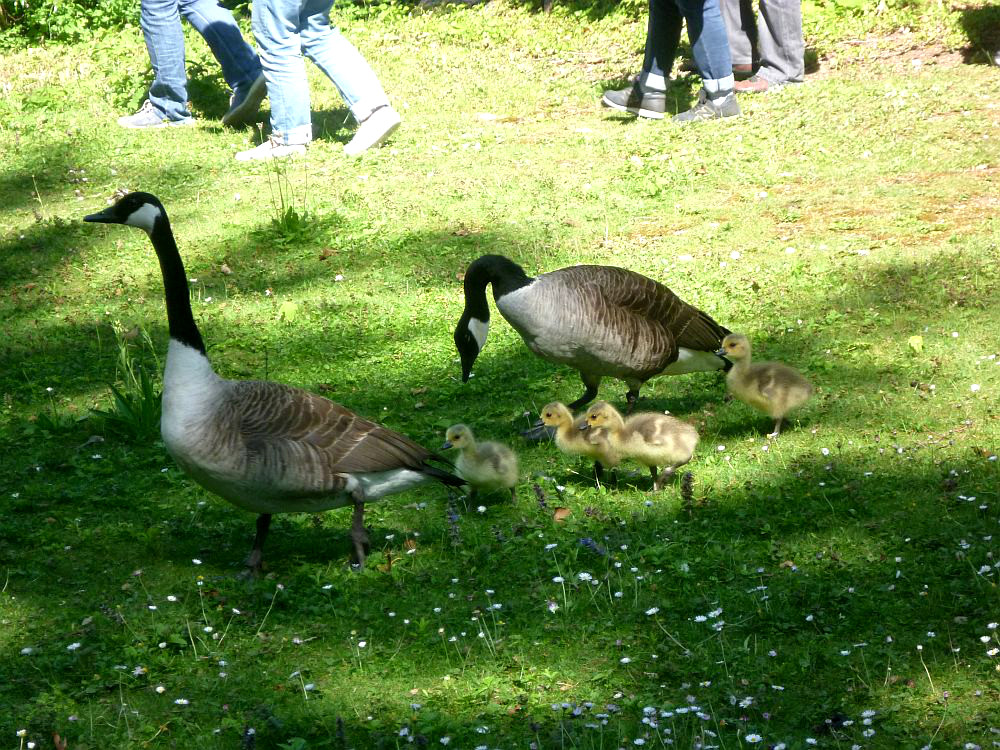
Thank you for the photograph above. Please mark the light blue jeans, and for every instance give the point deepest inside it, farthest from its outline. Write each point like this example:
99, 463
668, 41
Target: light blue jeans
285, 31
161, 26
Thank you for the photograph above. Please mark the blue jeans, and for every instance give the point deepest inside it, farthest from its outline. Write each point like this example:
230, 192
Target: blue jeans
287, 29
706, 30
161, 27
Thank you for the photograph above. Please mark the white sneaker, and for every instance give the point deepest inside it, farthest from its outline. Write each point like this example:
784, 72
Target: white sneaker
271, 150
378, 126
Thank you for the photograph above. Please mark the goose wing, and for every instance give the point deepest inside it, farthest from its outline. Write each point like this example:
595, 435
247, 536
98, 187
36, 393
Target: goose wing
642, 320
305, 441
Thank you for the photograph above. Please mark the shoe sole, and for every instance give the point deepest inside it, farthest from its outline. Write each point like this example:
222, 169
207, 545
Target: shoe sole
378, 142
159, 125
270, 156
249, 107
649, 114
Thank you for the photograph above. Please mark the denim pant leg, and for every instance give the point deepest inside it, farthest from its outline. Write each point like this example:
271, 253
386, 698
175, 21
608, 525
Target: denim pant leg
782, 47
161, 28
663, 34
276, 29
741, 28
240, 66
709, 43
340, 60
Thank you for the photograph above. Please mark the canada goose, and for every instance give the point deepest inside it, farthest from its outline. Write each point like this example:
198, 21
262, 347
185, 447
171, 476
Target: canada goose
483, 465
649, 438
264, 447
770, 387
572, 440
600, 320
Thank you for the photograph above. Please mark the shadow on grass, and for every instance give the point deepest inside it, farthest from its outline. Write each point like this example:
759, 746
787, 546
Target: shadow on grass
820, 532
981, 25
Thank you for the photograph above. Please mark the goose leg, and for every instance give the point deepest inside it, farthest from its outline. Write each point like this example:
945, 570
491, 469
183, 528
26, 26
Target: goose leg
598, 471
256, 553
359, 535
777, 427
631, 396
592, 383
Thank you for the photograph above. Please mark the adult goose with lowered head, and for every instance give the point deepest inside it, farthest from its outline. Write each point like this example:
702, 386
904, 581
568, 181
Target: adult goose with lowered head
265, 447
602, 321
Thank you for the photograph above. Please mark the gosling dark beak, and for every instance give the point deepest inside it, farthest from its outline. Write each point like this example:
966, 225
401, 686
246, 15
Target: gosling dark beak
721, 353
446, 446
584, 427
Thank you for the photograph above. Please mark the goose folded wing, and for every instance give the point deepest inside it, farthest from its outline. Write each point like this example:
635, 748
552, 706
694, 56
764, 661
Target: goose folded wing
318, 431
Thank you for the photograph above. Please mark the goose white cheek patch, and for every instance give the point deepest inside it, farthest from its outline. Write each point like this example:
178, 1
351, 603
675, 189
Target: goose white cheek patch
145, 217
479, 329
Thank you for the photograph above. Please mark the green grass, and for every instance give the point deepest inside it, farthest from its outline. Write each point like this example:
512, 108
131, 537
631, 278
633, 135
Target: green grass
853, 561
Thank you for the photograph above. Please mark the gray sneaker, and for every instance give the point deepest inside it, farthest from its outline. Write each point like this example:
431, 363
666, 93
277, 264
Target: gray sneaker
710, 109
147, 117
243, 105
638, 100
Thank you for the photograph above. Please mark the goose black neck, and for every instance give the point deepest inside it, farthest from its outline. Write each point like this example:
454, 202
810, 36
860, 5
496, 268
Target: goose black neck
175, 287
503, 273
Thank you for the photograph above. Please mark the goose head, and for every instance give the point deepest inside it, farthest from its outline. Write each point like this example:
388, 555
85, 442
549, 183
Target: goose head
142, 210
457, 436
735, 346
470, 338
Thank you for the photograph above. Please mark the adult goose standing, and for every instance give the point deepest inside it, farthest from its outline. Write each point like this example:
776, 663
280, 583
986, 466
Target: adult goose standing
602, 321
265, 447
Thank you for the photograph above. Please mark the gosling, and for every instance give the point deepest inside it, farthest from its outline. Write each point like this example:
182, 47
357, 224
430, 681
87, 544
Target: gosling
649, 438
572, 439
483, 465
771, 387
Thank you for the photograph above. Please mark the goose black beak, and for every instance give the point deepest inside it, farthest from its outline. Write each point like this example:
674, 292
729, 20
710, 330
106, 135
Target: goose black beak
102, 217
721, 353
584, 427
446, 446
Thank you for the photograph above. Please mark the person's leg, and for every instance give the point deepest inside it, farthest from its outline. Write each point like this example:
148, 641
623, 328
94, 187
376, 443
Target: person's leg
741, 29
340, 60
782, 47
161, 28
646, 96
276, 29
710, 48
354, 78
709, 43
240, 65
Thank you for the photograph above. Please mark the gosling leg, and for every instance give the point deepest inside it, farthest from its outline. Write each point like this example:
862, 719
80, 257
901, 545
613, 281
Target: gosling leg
359, 534
665, 475
777, 427
253, 561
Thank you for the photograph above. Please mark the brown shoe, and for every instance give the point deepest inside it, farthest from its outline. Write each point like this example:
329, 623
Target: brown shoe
752, 85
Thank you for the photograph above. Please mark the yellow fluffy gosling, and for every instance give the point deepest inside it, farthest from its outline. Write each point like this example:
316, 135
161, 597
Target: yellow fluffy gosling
573, 440
484, 465
770, 387
649, 438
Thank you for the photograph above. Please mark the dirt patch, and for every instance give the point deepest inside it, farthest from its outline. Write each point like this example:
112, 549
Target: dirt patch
900, 51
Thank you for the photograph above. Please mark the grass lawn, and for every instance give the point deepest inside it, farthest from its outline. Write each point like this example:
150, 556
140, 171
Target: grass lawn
835, 588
